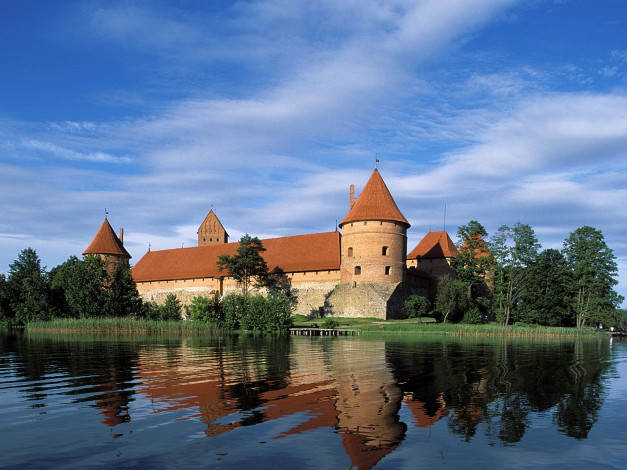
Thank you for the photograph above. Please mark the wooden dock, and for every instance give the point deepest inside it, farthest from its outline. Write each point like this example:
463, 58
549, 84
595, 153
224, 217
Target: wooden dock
313, 331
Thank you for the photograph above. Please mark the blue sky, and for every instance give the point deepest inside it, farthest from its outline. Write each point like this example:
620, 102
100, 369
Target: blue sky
267, 111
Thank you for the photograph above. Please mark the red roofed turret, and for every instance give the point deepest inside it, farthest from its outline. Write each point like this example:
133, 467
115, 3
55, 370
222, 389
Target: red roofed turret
374, 236
375, 203
106, 242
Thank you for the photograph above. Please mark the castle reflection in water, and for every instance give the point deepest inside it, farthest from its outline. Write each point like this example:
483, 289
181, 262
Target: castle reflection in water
361, 388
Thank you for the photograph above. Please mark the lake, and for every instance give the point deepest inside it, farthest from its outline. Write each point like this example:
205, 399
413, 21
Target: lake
81, 401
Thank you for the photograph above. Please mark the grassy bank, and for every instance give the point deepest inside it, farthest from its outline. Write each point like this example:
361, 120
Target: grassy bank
374, 326
367, 326
120, 325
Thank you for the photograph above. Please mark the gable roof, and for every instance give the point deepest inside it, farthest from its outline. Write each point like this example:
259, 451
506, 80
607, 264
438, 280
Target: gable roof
311, 252
106, 242
434, 245
211, 216
375, 203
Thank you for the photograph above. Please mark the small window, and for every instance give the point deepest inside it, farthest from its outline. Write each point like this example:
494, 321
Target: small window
357, 270
365, 223
350, 252
385, 250
387, 270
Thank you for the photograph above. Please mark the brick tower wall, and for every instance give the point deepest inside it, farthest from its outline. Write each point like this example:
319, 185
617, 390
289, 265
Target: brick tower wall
373, 251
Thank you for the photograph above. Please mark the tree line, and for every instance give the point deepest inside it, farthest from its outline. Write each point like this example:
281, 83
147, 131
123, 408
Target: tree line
78, 288
508, 278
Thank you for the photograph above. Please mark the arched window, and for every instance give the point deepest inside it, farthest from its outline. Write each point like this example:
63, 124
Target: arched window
350, 251
357, 270
387, 270
385, 250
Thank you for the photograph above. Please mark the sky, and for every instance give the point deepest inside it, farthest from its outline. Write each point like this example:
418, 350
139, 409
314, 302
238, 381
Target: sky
499, 111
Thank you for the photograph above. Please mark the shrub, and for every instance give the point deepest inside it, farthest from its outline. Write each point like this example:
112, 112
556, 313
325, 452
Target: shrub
472, 315
150, 311
267, 314
330, 323
416, 306
171, 309
233, 308
206, 309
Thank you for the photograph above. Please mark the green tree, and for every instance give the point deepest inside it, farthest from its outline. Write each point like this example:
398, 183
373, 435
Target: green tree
474, 264
452, 300
5, 310
416, 306
60, 279
84, 284
247, 266
546, 299
206, 309
271, 314
123, 298
29, 288
514, 250
594, 269
171, 308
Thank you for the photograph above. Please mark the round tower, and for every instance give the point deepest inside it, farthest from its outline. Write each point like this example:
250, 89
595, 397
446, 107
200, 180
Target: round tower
374, 237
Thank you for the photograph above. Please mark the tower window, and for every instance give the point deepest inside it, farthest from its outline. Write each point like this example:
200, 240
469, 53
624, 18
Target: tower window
387, 270
385, 250
357, 270
350, 252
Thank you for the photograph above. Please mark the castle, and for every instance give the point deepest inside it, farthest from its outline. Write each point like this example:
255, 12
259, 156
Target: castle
364, 271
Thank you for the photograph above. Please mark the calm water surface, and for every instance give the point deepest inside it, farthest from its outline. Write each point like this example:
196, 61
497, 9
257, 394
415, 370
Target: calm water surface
249, 402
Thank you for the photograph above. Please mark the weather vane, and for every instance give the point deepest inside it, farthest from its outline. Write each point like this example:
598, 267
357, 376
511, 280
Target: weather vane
376, 160
106, 213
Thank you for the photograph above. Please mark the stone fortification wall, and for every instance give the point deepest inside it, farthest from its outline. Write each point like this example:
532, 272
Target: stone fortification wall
366, 300
183, 294
311, 297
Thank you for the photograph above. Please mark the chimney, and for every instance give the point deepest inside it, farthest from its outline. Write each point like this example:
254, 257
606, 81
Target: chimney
352, 195
122, 235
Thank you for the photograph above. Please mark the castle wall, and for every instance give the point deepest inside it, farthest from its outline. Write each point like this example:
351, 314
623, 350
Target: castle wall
310, 288
366, 300
373, 251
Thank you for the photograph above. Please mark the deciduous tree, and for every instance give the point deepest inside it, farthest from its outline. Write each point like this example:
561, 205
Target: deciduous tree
29, 288
547, 294
514, 250
474, 264
594, 269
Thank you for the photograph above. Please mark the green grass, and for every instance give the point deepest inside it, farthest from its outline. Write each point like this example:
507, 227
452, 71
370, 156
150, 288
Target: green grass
120, 325
426, 326
367, 326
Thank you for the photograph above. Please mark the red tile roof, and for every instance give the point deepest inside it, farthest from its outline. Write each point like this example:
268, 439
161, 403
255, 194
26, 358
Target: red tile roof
434, 245
106, 242
375, 203
311, 252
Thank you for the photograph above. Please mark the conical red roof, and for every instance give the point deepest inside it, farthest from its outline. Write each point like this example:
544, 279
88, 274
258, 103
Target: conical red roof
106, 242
375, 203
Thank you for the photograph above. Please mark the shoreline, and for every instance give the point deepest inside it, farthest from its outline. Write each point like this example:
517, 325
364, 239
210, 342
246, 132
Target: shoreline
366, 326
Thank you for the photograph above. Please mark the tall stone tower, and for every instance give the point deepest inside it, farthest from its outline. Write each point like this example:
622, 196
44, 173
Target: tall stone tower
109, 246
211, 231
374, 237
